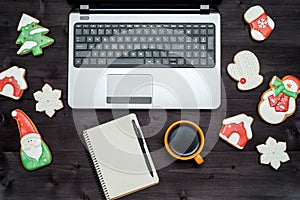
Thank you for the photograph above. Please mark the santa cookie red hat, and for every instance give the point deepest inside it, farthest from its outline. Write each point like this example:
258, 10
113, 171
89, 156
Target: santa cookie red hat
26, 127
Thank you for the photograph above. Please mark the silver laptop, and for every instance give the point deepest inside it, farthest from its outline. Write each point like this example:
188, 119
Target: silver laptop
154, 58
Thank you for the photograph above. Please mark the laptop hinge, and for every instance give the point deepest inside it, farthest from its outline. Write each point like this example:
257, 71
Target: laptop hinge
204, 9
84, 9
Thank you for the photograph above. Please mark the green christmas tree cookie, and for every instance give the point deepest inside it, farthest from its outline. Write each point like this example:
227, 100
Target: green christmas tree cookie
32, 36
34, 151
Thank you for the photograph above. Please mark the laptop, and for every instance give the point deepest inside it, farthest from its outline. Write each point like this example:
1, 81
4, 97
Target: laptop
144, 56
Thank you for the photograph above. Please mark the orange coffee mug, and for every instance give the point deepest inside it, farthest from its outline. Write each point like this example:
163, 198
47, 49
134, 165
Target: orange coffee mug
184, 140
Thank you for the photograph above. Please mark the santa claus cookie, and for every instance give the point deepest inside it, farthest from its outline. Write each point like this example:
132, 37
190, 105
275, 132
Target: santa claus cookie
245, 69
237, 130
32, 36
34, 151
279, 102
12, 82
261, 24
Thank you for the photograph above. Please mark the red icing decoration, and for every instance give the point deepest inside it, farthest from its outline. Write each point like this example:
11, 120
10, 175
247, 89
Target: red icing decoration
228, 129
280, 103
266, 30
243, 81
12, 81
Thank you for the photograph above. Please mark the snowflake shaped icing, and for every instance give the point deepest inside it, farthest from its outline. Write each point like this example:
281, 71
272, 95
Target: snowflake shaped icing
48, 100
262, 23
273, 153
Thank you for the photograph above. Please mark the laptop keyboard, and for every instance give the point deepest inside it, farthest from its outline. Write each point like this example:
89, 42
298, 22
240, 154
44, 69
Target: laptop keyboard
144, 45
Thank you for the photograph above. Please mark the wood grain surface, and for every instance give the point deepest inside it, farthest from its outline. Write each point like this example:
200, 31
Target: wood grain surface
227, 173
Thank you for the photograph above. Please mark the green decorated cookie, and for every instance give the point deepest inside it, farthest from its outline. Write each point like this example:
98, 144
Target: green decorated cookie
34, 151
32, 36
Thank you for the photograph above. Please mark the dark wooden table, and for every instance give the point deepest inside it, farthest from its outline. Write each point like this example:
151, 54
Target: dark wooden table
226, 173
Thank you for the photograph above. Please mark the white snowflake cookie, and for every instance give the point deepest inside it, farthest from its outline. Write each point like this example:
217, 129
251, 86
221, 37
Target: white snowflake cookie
48, 100
245, 69
273, 153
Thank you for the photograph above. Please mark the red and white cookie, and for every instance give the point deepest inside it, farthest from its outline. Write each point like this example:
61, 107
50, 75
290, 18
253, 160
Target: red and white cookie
237, 130
279, 102
12, 82
245, 69
261, 24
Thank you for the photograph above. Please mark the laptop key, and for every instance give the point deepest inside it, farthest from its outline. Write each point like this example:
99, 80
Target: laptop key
83, 54
81, 46
210, 43
80, 39
129, 61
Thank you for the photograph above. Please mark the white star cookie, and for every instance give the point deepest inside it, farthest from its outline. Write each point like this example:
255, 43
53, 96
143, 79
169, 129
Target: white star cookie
48, 100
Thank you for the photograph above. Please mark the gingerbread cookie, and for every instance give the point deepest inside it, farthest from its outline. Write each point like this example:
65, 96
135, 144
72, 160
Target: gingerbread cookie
237, 130
32, 36
34, 152
261, 24
245, 70
279, 102
48, 100
273, 153
12, 82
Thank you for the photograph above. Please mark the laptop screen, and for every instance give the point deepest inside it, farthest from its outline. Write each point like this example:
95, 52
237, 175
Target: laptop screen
153, 2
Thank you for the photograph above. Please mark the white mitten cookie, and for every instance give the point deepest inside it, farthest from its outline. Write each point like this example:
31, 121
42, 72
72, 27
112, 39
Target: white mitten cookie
245, 69
261, 24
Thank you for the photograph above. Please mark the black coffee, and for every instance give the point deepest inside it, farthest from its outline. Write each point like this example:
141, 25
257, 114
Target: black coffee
184, 140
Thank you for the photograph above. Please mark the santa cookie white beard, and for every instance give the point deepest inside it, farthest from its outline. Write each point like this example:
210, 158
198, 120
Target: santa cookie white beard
245, 70
279, 102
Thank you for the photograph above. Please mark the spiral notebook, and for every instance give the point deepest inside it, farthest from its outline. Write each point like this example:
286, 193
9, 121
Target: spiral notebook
121, 157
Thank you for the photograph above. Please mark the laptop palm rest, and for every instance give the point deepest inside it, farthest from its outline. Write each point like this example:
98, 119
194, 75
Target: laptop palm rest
129, 89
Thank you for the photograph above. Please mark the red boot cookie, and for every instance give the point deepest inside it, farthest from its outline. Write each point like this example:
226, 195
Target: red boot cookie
261, 24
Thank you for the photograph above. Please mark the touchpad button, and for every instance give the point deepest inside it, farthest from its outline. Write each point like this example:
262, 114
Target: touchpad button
129, 88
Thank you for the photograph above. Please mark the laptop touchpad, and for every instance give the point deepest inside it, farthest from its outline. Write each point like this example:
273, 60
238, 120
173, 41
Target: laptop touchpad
129, 89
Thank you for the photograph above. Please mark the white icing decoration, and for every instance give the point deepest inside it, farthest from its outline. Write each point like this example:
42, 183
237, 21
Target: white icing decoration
246, 65
48, 100
271, 23
39, 30
257, 35
25, 20
26, 45
17, 73
31, 145
253, 13
8, 91
273, 153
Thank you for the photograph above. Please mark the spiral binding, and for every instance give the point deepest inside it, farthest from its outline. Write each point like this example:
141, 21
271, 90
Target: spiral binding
96, 164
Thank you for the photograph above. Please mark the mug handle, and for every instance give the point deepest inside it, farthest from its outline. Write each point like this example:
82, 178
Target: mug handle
199, 159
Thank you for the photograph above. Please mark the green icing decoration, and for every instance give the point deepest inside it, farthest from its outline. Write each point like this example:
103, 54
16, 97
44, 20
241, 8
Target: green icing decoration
33, 42
32, 164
